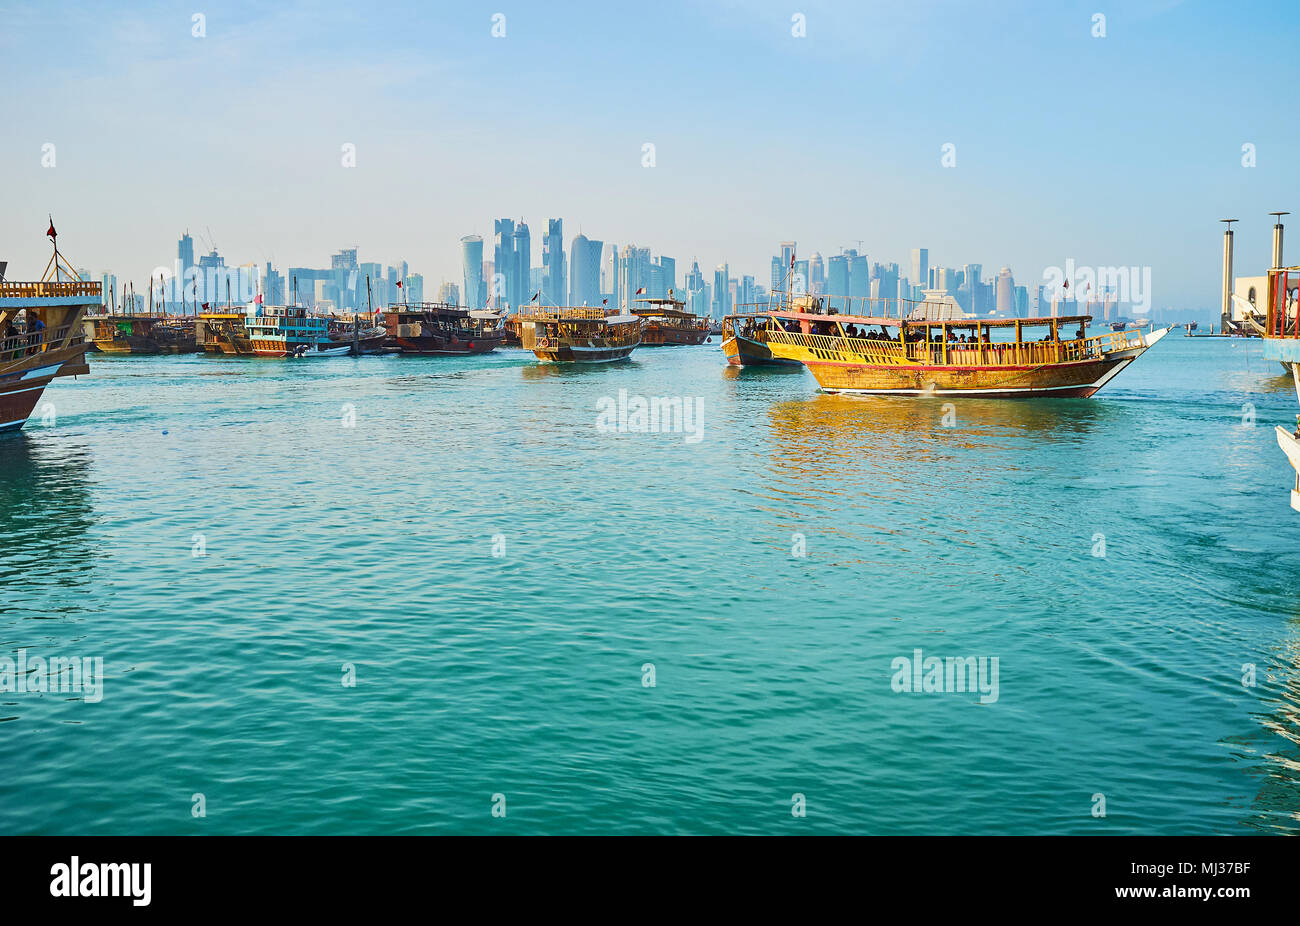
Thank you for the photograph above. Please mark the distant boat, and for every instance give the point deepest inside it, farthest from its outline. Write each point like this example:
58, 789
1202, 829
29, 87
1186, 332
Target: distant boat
289, 331
320, 349
439, 328
579, 335
664, 322
141, 334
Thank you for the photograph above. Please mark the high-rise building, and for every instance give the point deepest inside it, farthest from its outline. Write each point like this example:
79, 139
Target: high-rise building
787, 253
185, 252
609, 272
859, 276
816, 274
1006, 293
471, 252
584, 271
555, 280
837, 279
921, 266
745, 293
448, 293
697, 294
667, 277
633, 273
346, 259
721, 290
1022, 302
523, 277
501, 284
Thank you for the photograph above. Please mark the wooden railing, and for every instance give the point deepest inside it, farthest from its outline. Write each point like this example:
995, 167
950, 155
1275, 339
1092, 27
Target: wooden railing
868, 306
551, 314
19, 346
51, 290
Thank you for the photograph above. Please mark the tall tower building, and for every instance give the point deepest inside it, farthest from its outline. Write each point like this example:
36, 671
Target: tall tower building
837, 278
816, 273
523, 276
584, 271
1006, 293
471, 253
555, 273
721, 290
921, 266
501, 286
185, 252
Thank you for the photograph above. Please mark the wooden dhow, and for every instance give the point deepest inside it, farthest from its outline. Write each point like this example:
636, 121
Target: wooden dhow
665, 321
907, 348
41, 335
744, 342
439, 328
579, 335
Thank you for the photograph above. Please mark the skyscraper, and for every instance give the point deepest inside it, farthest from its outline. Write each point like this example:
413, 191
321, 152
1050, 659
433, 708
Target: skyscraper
1006, 293
584, 271
185, 252
471, 251
859, 276
523, 246
697, 294
668, 275
921, 266
501, 286
816, 273
633, 273
837, 278
721, 289
555, 276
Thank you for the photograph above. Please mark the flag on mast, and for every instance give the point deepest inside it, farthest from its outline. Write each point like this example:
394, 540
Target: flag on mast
52, 233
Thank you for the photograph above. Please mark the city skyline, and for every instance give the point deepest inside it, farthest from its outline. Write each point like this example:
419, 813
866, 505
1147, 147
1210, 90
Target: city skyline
233, 148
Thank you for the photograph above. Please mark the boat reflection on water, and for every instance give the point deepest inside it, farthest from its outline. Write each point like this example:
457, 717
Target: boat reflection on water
869, 433
46, 564
1275, 746
538, 372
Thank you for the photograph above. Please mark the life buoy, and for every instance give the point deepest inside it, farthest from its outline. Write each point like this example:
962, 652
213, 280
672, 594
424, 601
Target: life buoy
544, 342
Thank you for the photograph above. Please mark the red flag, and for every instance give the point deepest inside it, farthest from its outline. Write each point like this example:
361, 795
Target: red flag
51, 233
399, 284
640, 291
535, 295
604, 302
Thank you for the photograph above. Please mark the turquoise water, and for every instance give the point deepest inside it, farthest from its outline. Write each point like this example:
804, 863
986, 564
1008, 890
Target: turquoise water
499, 570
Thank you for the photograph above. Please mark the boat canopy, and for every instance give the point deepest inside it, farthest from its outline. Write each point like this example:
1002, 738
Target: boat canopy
927, 322
484, 313
622, 319
661, 300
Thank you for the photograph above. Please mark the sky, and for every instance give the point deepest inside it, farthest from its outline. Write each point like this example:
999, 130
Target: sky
1116, 150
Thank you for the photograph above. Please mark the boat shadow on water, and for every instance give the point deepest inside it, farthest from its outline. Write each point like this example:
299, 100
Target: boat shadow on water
829, 428
46, 515
539, 370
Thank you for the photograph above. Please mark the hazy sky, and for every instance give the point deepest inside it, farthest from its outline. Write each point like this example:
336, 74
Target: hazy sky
1122, 150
